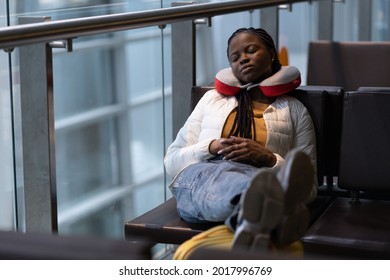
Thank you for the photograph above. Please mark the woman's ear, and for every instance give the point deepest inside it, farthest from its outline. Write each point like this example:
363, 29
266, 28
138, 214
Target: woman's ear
273, 55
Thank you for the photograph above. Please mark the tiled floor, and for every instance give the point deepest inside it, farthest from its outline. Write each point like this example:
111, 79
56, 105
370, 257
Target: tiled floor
164, 251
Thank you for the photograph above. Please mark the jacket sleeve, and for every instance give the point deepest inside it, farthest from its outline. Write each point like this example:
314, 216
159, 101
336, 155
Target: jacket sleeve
305, 140
186, 148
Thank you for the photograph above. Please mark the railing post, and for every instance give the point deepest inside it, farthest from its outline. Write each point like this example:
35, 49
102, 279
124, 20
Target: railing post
38, 177
183, 69
365, 11
269, 20
325, 20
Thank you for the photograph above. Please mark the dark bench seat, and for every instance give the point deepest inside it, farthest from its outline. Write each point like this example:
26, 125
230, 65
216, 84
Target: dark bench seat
359, 226
162, 224
352, 230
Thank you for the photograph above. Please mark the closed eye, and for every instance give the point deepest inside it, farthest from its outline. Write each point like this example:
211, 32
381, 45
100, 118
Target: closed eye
233, 57
252, 49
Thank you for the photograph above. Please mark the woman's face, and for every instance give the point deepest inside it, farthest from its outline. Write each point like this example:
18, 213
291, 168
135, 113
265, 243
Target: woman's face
249, 58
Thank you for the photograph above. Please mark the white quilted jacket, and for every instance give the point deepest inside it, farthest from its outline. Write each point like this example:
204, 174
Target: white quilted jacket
288, 122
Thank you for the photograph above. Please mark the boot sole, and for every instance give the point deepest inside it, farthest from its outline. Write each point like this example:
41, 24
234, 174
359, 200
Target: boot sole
262, 209
297, 187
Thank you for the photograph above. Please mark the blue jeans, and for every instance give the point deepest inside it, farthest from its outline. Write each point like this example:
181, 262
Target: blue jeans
209, 191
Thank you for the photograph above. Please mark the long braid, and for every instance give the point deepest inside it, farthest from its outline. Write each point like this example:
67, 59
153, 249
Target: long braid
244, 121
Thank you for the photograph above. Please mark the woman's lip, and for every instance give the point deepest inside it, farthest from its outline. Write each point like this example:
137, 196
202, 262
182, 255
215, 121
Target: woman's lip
246, 68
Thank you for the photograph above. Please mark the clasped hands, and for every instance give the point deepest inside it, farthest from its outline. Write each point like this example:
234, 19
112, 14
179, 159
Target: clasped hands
243, 150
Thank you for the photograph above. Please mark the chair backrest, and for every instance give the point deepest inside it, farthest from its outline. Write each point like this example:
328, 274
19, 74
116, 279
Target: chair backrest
324, 106
196, 94
349, 64
365, 138
374, 89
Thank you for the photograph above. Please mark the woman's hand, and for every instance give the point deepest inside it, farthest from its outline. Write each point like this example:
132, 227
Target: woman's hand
244, 150
217, 145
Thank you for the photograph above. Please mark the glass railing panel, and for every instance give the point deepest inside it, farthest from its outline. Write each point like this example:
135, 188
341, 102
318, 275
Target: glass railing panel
103, 222
7, 182
142, 65
85, 158
115, 90
83, 79
109, 118
6, 147
146, 133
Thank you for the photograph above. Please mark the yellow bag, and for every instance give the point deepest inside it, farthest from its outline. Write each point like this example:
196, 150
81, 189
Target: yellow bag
221, 237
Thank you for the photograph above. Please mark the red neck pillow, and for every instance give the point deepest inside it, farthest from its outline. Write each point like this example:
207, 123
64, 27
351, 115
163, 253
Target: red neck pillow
285, 80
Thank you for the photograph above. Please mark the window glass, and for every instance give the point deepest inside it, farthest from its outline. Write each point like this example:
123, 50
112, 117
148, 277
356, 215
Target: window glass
296, 43
380, 20
346, 21
212, 42
143, 56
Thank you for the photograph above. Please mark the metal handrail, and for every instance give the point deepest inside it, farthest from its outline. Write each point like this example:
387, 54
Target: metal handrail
14, 36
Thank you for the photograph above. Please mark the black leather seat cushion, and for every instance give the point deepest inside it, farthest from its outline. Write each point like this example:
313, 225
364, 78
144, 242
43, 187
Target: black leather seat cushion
352, 230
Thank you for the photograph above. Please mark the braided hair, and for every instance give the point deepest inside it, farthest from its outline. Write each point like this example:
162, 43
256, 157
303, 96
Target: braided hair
244, 119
